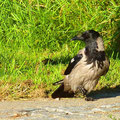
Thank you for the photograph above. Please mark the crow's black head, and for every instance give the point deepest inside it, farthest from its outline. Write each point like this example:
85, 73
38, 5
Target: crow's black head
87, 36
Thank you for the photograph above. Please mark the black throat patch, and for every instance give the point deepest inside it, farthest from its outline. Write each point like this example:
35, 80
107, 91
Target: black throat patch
94, 55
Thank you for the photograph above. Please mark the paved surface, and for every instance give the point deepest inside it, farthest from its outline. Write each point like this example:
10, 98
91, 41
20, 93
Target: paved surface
104, 108
64, 109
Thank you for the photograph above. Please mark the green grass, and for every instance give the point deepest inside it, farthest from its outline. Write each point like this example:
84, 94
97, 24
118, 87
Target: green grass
34, 30
112, 117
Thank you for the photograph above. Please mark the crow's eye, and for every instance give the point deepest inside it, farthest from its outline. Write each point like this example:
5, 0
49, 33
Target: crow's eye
85, 35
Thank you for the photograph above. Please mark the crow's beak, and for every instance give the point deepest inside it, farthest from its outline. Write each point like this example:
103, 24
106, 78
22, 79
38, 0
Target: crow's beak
78, 38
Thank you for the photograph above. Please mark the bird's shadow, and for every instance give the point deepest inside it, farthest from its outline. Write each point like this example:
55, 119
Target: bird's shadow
105, 93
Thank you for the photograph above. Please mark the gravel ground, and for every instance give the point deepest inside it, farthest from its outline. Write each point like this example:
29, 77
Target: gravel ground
104, 108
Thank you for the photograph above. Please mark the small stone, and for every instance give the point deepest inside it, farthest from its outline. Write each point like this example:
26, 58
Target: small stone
66, 113
57, 99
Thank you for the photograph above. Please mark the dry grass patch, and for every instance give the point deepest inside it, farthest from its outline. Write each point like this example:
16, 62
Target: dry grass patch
21, 90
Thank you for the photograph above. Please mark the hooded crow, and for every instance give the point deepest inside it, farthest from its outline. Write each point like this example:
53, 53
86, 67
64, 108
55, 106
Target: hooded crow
85, 69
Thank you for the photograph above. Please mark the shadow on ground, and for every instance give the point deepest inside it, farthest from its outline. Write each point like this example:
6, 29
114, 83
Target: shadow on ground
105, 93
98, 94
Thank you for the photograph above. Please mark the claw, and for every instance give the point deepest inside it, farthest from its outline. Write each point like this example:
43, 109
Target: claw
89, 99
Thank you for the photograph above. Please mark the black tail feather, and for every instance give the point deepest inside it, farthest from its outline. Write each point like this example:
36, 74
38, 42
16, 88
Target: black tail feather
60, 93
58, 82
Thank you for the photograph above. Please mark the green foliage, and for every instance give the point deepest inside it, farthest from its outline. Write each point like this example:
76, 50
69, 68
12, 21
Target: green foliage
34, 30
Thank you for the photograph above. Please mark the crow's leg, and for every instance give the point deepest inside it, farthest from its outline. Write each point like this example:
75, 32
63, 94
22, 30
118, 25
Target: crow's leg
83, 91
80, 91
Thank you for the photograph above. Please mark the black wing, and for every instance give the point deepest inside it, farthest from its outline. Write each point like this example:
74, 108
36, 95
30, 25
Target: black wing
72, 63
